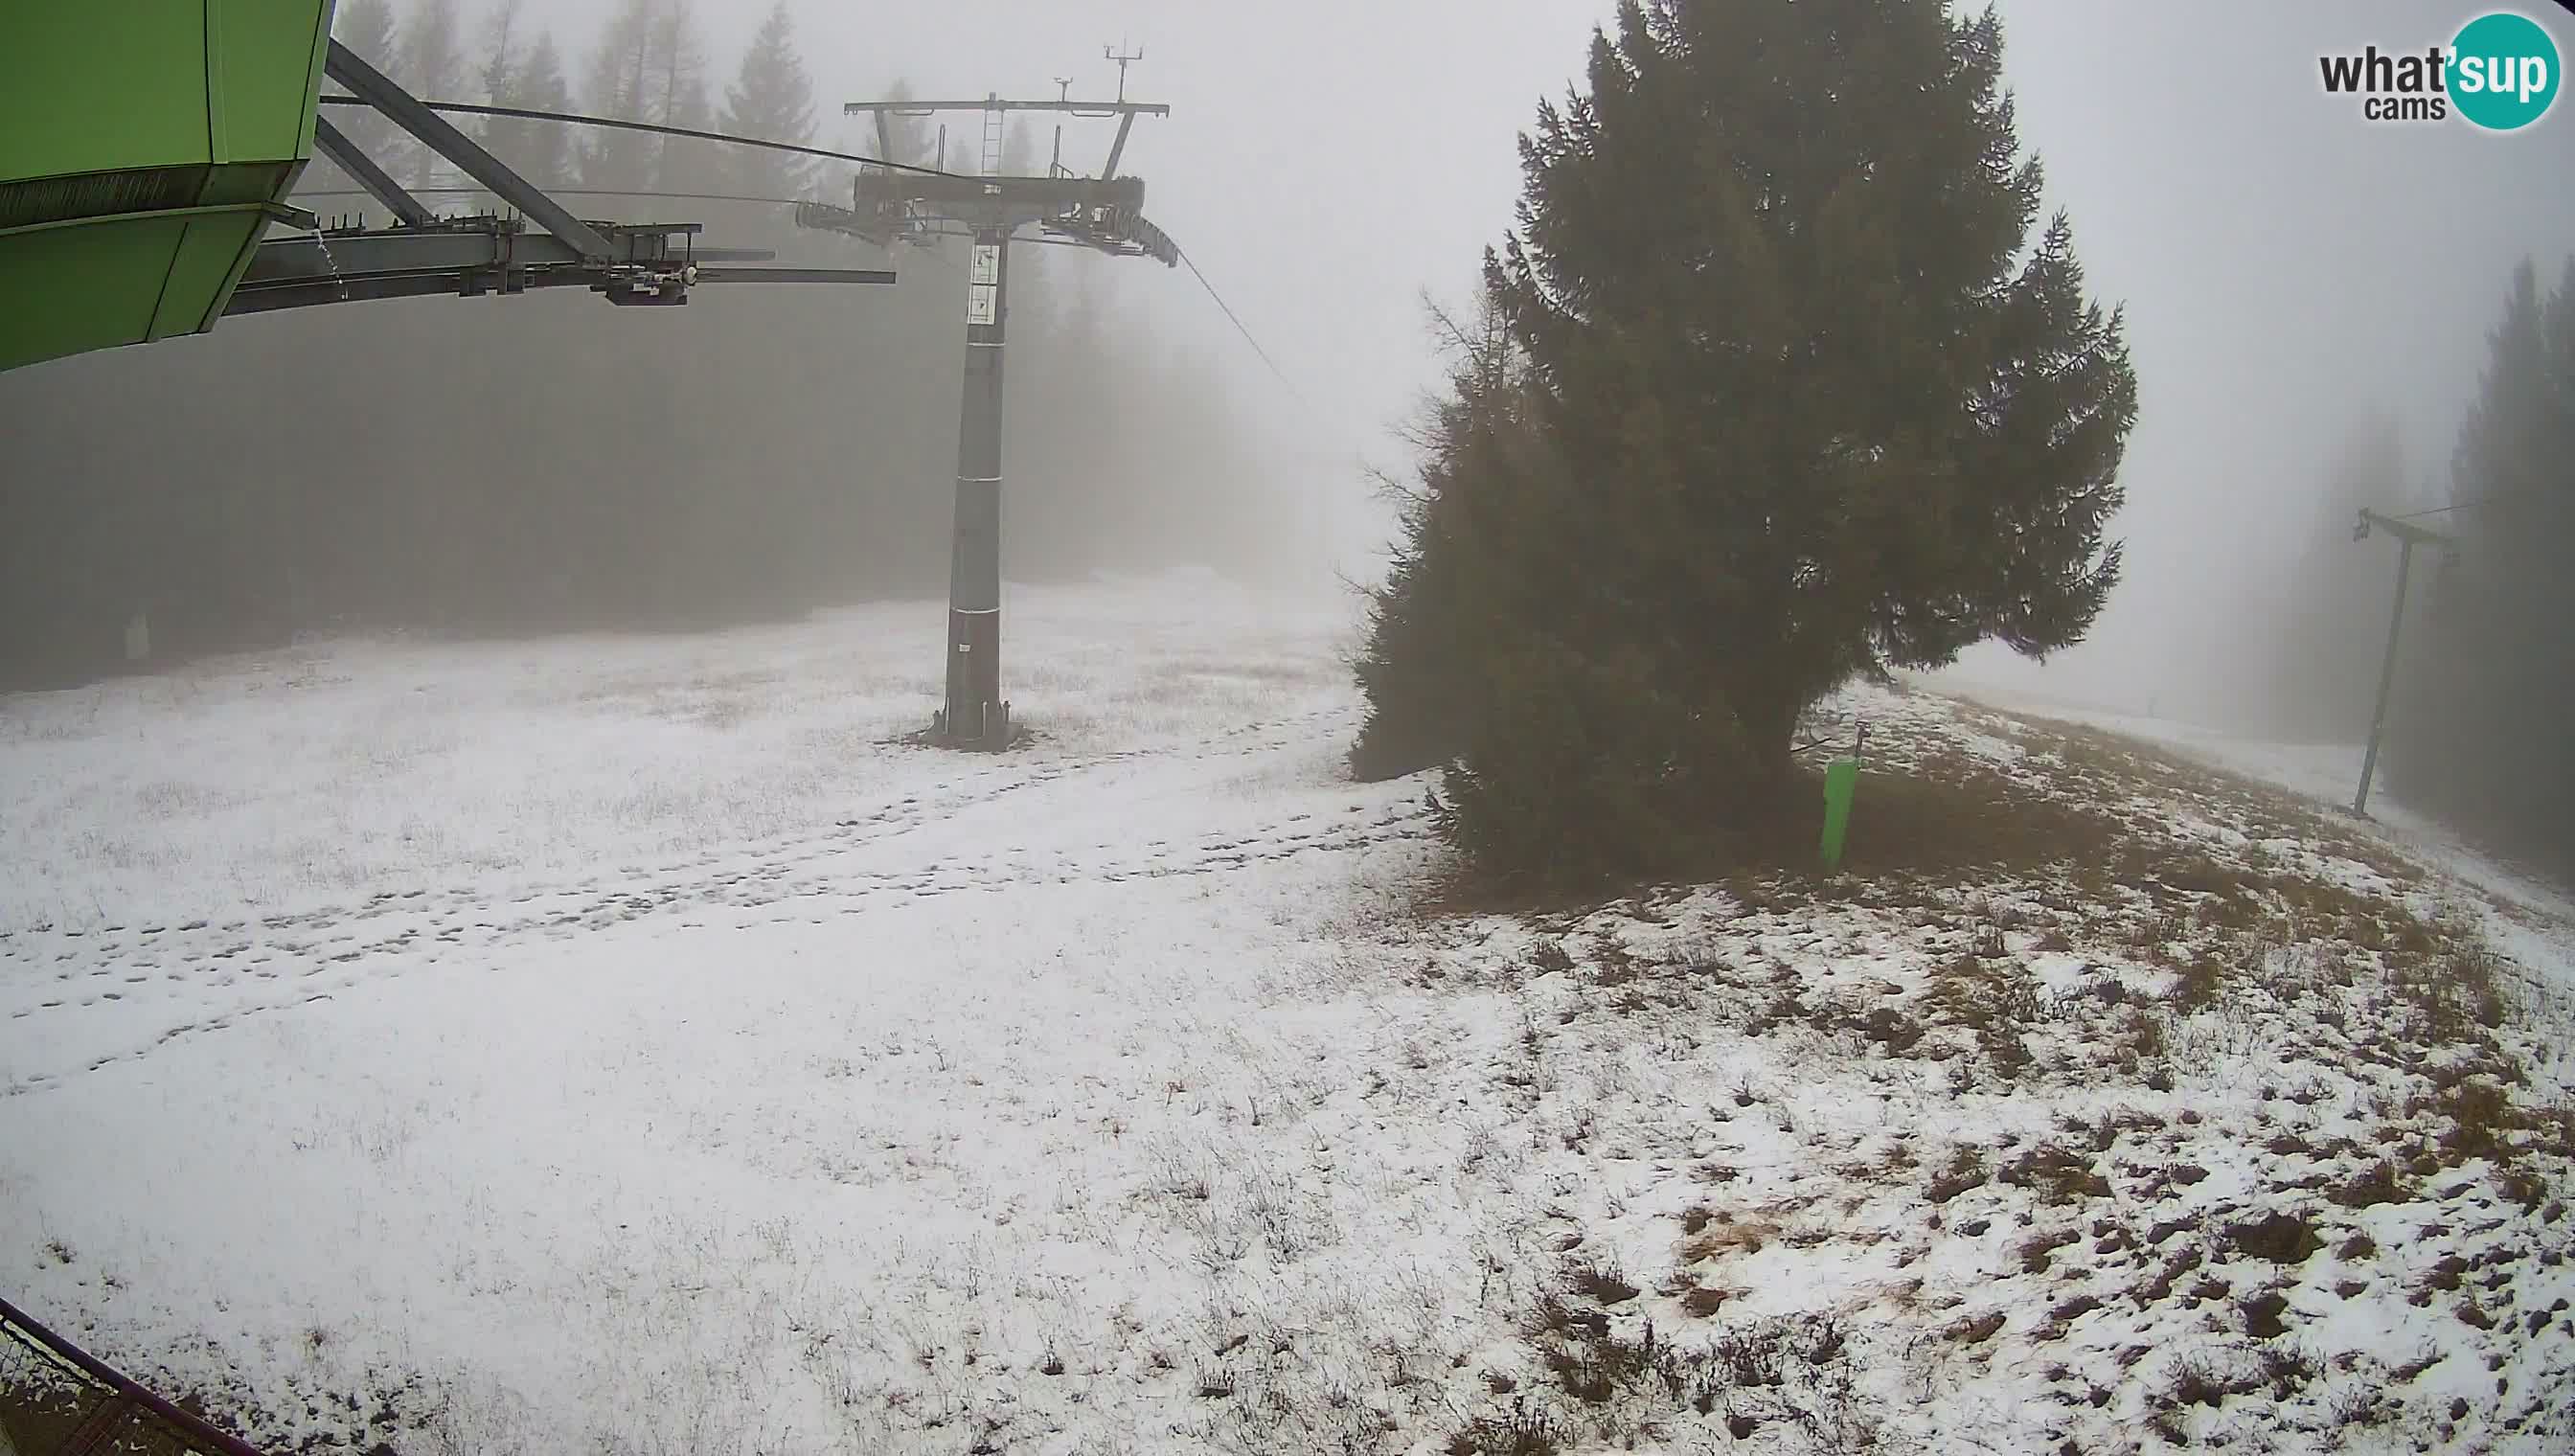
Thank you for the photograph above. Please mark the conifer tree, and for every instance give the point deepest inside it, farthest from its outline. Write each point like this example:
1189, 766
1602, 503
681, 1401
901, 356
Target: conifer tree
616, 84
367, 27
540, 151
1816, 394
498, 77
501, 54
431, 66
676, 95
771, 98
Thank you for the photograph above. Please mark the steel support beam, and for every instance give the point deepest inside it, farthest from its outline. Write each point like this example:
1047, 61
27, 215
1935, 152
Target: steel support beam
300, 293
452, 247
1118, 148
441, 136
479, 256
361, 169
403, 249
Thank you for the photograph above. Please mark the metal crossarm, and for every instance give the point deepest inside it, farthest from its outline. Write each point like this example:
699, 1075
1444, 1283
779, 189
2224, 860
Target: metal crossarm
361, 169
441, 136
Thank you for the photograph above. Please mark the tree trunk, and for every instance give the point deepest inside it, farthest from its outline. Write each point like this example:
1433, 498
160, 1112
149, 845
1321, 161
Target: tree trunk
1769, 732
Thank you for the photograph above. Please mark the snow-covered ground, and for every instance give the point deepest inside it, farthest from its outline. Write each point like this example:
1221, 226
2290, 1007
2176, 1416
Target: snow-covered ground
629, 1044
2538, 918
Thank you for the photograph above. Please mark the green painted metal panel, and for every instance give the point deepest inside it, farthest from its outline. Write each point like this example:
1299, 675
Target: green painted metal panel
201, 269
101, 282
102, 88
145, 146
266, 76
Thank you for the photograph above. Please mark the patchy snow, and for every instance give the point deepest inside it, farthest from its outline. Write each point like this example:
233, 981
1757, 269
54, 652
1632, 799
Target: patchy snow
2328, 773
624, 1042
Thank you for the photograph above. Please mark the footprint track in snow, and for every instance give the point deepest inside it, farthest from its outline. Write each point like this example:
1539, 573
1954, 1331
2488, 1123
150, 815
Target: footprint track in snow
796, 870
772, 859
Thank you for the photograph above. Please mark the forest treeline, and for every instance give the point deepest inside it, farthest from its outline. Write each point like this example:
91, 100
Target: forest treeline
548, 462
2483, 695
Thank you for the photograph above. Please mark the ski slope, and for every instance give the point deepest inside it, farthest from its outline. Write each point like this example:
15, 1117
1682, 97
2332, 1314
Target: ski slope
631, 1043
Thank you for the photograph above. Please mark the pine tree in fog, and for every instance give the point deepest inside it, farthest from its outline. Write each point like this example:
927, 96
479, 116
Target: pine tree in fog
2483, 739
497, 78
544, 463
771, 98
500, 56
1482, 428
678, 92
539, 151
1819, 395
367, 27
431, 66
650, 66
616, 84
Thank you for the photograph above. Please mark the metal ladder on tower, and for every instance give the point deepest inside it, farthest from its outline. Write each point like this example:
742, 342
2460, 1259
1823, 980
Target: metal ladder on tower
993, 119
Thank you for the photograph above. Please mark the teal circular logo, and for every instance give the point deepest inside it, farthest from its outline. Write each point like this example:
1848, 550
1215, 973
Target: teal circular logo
2503, 71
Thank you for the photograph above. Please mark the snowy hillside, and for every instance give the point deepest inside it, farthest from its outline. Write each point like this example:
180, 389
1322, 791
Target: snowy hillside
629, 1044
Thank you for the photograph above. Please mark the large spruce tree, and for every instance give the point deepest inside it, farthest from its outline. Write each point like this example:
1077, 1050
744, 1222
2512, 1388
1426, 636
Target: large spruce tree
772, 99
1818, 393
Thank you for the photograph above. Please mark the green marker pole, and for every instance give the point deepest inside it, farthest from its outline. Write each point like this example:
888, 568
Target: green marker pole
1842, 781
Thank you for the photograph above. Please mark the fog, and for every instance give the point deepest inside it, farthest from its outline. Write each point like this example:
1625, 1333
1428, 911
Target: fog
1326, 164
2289, 272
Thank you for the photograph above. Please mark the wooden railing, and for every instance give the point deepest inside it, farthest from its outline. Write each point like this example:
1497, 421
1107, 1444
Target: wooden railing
57, 1399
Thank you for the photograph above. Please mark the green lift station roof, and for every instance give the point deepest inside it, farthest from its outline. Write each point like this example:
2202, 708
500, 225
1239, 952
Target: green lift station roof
145, 147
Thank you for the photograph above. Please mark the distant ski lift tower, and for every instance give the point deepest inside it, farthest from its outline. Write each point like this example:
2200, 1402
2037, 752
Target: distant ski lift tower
1105, 213
2408, 535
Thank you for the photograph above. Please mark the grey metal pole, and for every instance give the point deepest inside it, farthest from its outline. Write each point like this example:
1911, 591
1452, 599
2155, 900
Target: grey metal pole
976, 716
2386, 677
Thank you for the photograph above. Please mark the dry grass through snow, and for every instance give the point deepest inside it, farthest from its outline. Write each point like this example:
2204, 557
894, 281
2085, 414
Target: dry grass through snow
2201, 1103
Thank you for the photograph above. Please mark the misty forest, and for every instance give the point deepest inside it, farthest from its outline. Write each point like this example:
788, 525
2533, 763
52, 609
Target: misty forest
1935, 815
2484, 680
474, 468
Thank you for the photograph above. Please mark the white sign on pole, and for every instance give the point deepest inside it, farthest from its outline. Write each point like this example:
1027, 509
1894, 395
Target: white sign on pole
979, 302
987, 264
